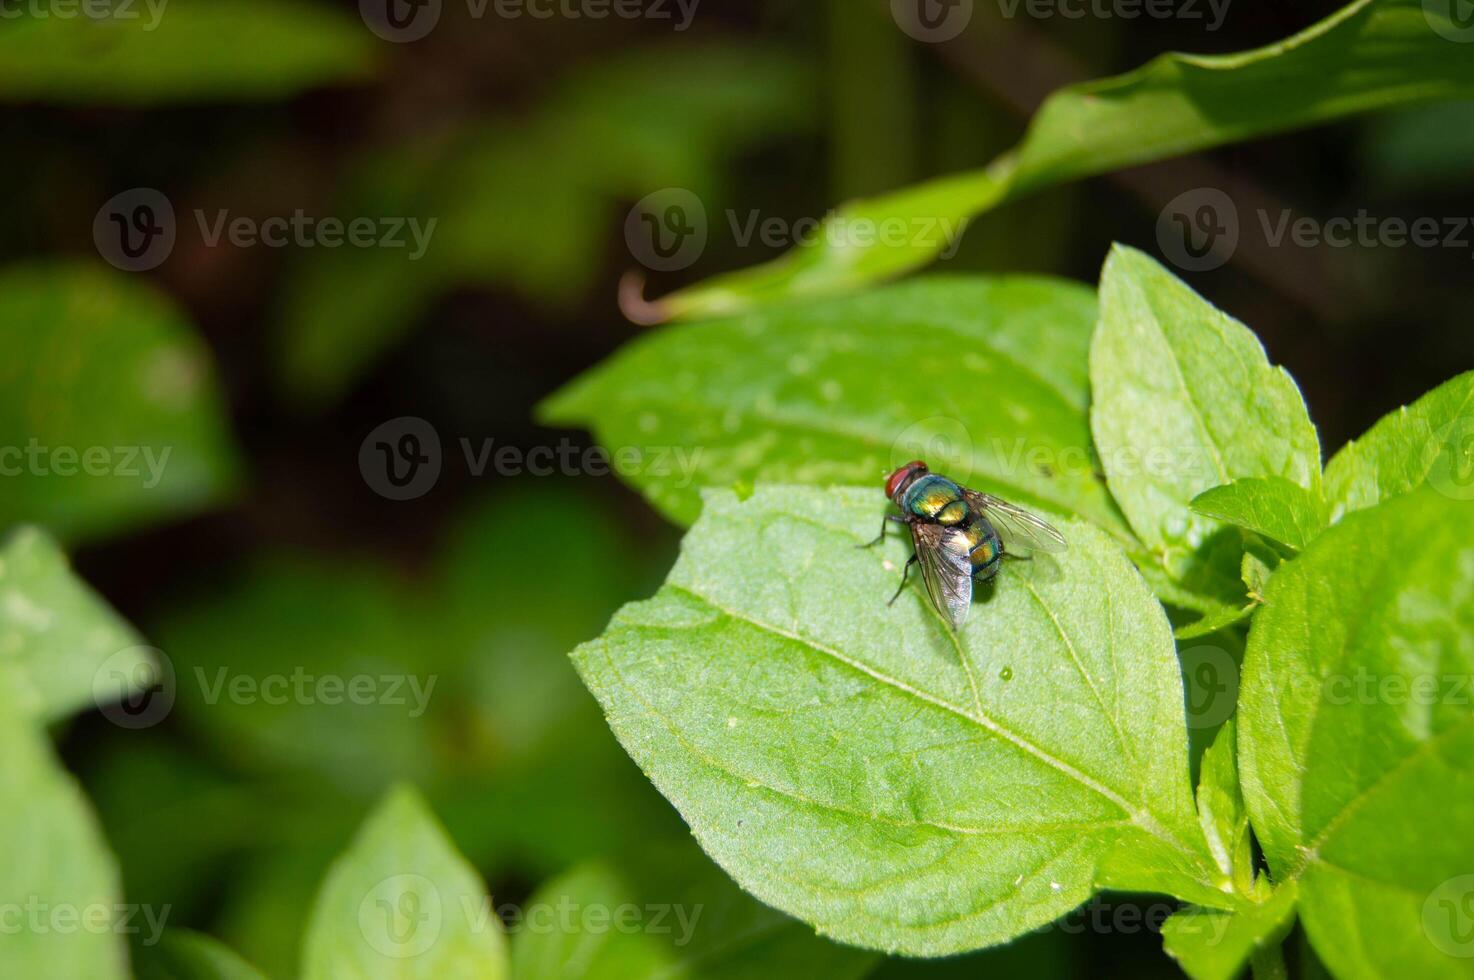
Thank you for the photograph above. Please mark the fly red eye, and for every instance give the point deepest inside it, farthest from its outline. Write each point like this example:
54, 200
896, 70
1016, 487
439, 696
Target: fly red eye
898, 479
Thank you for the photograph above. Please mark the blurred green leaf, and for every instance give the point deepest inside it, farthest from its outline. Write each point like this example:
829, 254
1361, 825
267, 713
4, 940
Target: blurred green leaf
895, 785
528, 204
1185, 400
1355, 736
1272, 506
185, 955
1424, 149
1370, 55
1431, 440
401, 904
58, 883
152, 52
1211, 944
109, 413
984, 378
61, 646
678, 916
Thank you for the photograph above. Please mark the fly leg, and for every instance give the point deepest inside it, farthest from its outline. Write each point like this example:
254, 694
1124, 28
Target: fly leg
883, 525
904, 572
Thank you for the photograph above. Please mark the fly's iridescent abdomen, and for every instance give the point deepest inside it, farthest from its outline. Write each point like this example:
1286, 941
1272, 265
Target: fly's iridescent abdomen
985, 550
935, 498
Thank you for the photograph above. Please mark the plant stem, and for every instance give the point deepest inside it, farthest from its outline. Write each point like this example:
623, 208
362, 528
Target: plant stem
1268, 963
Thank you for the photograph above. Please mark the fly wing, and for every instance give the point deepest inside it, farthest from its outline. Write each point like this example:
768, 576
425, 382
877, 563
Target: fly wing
1020, 530
946, 571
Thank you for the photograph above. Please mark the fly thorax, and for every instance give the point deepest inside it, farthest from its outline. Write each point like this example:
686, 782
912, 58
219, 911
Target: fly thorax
935, 498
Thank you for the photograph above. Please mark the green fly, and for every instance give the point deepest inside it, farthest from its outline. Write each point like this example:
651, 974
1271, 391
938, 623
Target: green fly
959, 535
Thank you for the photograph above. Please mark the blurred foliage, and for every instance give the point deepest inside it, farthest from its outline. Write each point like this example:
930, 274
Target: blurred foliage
109, 410
149, 52
526, 203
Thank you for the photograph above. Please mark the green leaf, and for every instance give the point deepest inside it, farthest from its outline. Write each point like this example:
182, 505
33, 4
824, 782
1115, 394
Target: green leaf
1185, 400
401, 904
983, 377
1272, 506
527, 204
109, 413
1221, 811
896, 786
186, 955
60, 885
693, 923
148, 53
61, 645
1355, 736
1431, 440
1370, 55
1212, 944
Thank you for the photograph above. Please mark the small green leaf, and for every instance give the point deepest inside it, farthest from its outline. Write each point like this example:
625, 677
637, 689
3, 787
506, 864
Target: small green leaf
186, 955
694, 923
59, 884
61, 644
1431, 440
1370, 55
1355, 736
1272, 506
985, 378
1221, 811
109, 413
897, 786
401, 904
147, 53
1212, 944
1185, 400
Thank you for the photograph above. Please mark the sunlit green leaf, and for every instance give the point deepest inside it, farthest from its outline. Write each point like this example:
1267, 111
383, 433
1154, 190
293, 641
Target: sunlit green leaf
1356, 737
59, 885
153, 51
1212, 944
1272, 506
858, 766
62, 646
1431, 440
109, 413
984, 378
401, 904
1185, 400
